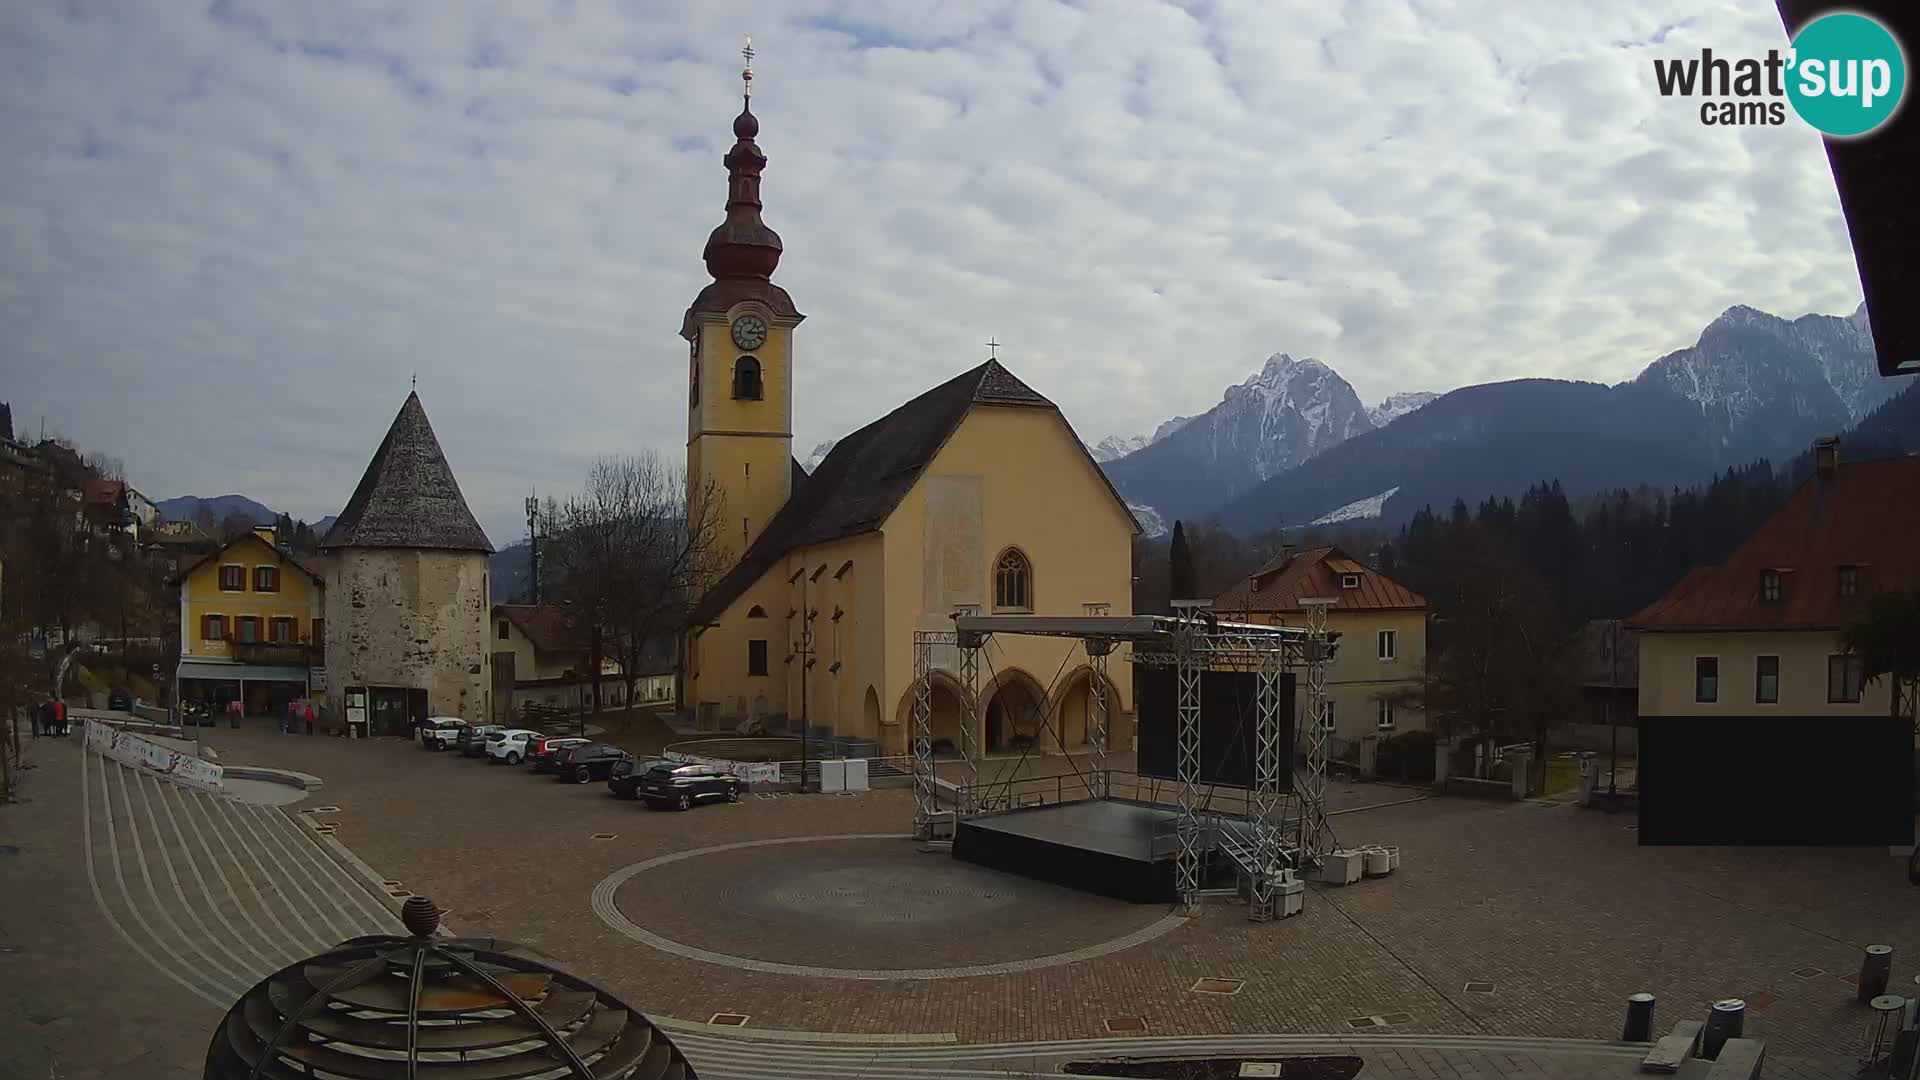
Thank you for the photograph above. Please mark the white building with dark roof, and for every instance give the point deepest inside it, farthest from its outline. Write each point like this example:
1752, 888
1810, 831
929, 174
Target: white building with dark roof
407, 590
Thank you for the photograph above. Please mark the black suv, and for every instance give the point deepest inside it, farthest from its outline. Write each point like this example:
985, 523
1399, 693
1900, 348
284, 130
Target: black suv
583, 764
624, 781
680, 786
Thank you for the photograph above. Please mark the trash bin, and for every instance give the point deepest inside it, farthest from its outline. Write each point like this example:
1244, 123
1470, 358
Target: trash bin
1726, 1021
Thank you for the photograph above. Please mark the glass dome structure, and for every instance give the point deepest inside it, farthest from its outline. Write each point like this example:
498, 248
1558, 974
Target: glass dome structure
436, 1008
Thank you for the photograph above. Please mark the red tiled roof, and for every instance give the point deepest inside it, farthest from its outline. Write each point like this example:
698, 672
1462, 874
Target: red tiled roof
1864, 514
102, 492
549, 627
1315, 572
313, 572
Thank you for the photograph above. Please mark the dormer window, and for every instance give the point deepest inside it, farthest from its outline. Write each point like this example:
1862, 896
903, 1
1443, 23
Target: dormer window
1349, 581
1769, 586
746, 379
1847, 581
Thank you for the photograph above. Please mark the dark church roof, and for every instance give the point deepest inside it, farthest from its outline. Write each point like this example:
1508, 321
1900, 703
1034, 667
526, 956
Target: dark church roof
867, 474
408, 497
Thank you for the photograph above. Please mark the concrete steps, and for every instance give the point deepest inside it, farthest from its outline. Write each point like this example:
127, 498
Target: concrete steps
216, 893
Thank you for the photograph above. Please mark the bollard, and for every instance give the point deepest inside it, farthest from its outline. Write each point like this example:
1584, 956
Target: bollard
1639, 1026
1726, 1021
1876, 967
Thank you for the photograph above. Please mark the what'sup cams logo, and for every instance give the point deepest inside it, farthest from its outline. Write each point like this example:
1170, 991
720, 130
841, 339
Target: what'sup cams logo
1845, 74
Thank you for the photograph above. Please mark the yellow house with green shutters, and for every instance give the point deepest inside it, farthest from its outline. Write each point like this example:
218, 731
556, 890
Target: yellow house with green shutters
251, 626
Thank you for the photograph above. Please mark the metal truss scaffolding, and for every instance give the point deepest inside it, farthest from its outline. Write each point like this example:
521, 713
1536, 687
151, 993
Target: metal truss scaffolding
1098, 650
1316, 835
1281, 831
925, 800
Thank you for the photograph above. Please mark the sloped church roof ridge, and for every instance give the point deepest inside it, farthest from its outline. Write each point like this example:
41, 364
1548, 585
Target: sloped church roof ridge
408, 497
863, 478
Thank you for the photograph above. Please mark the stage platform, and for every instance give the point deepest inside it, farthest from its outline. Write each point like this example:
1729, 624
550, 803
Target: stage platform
1103, 846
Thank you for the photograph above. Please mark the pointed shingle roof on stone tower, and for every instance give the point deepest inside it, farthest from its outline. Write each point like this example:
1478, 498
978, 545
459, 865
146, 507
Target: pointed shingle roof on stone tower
408, 497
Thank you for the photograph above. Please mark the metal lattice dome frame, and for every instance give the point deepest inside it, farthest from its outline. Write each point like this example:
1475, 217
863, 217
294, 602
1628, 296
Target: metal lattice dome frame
420, 1007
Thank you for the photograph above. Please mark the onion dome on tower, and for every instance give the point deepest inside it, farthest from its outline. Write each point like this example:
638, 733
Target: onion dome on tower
742, 252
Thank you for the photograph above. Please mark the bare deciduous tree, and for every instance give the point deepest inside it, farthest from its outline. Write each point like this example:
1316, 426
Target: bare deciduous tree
630, 555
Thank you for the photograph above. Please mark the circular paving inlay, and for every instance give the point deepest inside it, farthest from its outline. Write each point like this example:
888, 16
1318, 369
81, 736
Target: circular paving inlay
809, 904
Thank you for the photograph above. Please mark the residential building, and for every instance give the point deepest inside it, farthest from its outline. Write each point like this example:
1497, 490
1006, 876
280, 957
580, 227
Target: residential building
407, 585
975, 495
1759, 635
540, 657
1383, 635
251, 625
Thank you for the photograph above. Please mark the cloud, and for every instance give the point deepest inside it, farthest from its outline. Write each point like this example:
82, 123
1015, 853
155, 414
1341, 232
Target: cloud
230, 238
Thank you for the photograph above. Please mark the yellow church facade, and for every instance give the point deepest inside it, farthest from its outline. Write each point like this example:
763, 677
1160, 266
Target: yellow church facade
976, 495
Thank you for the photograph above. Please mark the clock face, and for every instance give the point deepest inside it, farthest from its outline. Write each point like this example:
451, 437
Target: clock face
749, 331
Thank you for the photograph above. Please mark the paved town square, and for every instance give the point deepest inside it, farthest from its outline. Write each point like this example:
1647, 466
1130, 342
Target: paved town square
814, 914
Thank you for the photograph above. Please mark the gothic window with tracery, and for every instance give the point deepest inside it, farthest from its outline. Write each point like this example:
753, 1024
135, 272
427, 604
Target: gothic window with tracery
1013, 582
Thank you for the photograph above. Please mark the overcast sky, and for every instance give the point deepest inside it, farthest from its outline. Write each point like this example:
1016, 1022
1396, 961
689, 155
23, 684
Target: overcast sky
231, 234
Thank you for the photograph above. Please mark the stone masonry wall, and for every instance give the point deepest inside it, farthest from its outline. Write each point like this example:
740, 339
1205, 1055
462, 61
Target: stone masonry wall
409, 618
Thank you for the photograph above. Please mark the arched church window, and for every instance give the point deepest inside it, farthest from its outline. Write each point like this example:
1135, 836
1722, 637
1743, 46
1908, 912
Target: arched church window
1013, 581
746, 379
756, 612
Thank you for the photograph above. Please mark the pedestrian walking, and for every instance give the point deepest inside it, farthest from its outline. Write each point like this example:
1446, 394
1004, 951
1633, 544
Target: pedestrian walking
234, 709
60, 716
309, 712
42, 716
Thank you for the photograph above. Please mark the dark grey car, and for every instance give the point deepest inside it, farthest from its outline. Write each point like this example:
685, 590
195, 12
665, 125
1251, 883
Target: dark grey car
680, 786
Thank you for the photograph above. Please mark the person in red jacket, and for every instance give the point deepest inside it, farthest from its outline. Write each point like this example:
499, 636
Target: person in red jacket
60, 715
309, 712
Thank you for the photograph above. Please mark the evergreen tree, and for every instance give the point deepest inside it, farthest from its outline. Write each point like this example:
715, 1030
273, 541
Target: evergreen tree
1886, 637
1180, 577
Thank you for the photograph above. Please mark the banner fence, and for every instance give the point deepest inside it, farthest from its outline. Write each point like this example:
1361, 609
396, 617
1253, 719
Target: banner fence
130, 749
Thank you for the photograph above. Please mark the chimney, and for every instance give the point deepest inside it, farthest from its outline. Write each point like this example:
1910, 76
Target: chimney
1826, 457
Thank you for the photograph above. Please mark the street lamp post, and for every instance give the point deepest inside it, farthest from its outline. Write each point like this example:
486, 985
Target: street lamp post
1613, 688
803, 651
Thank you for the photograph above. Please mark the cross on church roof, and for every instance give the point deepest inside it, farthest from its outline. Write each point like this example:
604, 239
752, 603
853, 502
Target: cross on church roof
993, 349
746, 74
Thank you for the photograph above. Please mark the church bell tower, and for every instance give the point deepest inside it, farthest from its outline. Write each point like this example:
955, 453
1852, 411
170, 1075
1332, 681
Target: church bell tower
739, 334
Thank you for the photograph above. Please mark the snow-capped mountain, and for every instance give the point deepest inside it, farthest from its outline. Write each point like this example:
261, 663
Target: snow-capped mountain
1753, 386
812, 461
1765, 385
1398, 405
1114, 447
1288, 411
1358, 509
1152, 525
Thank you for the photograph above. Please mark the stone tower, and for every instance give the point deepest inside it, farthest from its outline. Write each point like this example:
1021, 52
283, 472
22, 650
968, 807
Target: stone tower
739, 334
407, 582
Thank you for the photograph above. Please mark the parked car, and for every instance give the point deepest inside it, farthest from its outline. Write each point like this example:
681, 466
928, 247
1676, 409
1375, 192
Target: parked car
441, 732
547, 750
624, 781
120, 701
680, 786
510, 745
473, 742
195, 714
588, 762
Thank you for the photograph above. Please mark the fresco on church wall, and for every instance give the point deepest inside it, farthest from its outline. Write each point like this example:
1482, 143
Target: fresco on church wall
953, 571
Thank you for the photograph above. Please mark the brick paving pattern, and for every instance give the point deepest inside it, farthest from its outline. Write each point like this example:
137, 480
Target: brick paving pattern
1557, 907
